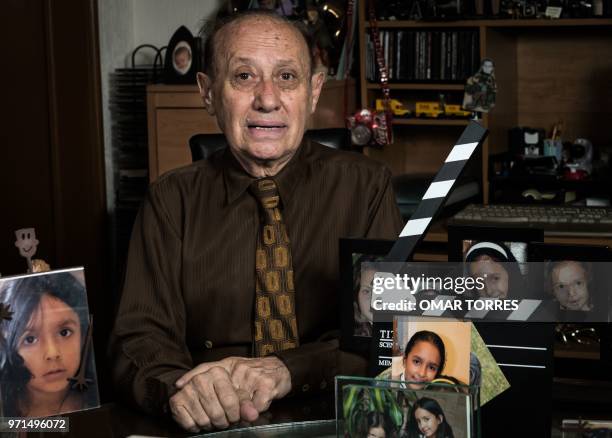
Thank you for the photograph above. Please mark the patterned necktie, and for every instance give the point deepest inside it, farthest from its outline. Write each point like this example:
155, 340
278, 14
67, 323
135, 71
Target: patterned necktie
275, 322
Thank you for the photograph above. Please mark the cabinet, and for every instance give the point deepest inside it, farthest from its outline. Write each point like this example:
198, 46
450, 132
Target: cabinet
546, 71
175, 113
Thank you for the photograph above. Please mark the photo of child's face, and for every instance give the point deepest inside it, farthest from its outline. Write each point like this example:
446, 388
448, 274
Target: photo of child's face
364, 295
496, 277
51, 346
428, 423
422, 363
181, 58
570, 285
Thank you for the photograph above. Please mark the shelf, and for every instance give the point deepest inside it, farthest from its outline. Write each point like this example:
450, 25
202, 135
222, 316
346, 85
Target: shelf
431, 122
421, 86
503, 23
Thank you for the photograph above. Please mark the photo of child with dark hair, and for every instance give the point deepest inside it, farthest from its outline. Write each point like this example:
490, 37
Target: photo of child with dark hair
45, 345
363, 275
426, 419
424, 350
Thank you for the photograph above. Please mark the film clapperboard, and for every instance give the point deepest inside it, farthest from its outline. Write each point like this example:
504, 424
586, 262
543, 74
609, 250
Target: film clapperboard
521, 350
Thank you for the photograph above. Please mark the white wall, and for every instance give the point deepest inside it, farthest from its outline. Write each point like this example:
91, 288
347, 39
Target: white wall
116, 37
156, 20
124, 25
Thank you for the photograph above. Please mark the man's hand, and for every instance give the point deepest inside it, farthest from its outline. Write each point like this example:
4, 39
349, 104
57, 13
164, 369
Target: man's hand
220, 393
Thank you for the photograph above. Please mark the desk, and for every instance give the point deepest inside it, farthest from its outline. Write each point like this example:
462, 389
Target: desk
569, 398
118, 420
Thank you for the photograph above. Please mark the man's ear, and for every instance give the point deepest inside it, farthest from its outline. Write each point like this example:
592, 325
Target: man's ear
205, 86
317, 84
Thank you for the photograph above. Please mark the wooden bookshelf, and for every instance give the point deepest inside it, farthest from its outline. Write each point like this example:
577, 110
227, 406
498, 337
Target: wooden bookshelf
546, 71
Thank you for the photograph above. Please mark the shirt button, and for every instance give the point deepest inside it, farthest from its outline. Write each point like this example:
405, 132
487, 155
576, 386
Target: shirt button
323, 384
208, 344
306, 387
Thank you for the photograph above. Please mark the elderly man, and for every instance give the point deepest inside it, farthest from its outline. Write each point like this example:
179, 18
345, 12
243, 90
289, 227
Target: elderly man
233, 263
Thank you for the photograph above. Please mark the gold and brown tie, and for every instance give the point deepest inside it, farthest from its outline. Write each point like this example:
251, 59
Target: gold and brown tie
275, 321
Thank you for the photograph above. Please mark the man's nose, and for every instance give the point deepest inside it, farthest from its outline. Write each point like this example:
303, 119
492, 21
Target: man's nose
267, 98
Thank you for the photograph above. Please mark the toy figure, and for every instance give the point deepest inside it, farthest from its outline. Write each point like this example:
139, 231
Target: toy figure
481, 89
27, 244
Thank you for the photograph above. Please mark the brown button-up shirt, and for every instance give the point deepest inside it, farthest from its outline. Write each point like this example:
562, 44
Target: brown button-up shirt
190, 282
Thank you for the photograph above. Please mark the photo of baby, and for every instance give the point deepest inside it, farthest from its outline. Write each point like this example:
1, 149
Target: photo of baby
46, 363
181, 58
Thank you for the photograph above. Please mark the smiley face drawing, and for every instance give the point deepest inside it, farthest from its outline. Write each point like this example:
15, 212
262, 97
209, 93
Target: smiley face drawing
26, 242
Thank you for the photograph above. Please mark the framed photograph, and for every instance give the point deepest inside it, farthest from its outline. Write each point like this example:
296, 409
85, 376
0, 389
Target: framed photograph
575, 278
182, 60
499, 253
383, 408
46, 358
523, 351
355, 312
425, 349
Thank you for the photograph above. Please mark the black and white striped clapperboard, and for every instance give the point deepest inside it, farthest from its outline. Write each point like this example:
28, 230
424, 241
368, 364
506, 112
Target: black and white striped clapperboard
437, 192
414, 231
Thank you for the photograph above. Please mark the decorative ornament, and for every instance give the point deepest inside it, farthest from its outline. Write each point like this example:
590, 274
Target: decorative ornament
26, 243
79, 381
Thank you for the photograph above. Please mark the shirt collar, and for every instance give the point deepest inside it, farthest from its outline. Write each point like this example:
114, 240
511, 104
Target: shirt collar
237, 180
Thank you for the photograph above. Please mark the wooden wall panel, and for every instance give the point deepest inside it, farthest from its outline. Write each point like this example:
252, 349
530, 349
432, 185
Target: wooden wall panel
566, 76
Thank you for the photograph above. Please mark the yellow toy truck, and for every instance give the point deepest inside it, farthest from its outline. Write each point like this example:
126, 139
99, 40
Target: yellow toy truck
397, 108
451, 110
433, 109
428, 109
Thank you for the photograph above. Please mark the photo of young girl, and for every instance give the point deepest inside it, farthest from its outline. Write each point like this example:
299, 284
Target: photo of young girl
424, 350
48, 364
427, 420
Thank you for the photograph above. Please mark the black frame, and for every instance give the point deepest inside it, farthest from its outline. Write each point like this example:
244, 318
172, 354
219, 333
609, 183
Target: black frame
348, 247
458, 233
182, 37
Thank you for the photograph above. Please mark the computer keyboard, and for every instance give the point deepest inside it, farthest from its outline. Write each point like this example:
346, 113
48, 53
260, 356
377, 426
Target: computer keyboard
554, 220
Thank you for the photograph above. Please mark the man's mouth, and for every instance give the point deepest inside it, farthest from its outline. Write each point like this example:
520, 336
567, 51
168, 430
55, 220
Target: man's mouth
266, 125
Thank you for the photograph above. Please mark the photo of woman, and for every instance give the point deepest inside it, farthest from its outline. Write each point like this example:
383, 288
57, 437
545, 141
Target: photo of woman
44, 344
427, 420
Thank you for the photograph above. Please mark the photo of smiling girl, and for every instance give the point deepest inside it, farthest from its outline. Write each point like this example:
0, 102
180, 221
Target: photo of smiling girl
426, 349
427, 420
44, 344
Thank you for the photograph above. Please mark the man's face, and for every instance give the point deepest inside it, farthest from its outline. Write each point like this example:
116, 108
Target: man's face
261, 92
570, 285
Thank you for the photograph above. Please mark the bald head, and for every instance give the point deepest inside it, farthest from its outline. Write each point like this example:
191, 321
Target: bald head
219, 36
